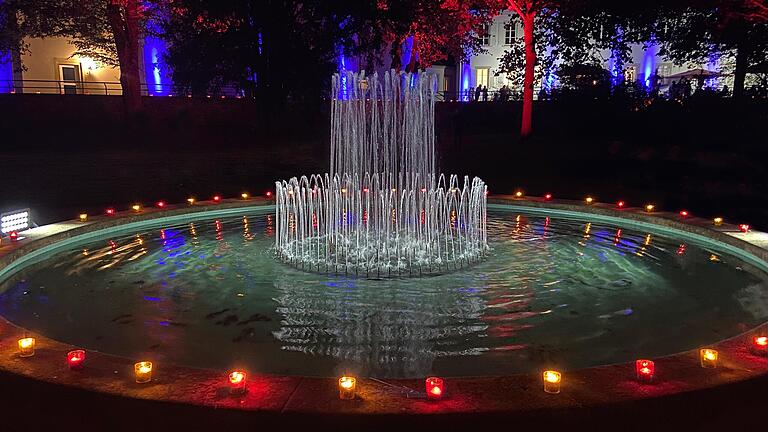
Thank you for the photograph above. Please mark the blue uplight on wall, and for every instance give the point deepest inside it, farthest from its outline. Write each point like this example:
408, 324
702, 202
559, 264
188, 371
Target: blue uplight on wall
649, 64
466, 81
157, 75
6, 73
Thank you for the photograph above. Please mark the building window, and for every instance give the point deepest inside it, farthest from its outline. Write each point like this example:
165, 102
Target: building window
482, 76
509, 34
485, 35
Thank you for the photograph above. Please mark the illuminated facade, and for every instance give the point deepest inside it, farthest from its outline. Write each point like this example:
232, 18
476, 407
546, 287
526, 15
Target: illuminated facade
481, 68
50, 66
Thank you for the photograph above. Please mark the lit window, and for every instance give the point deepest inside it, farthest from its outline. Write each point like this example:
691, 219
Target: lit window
482, 76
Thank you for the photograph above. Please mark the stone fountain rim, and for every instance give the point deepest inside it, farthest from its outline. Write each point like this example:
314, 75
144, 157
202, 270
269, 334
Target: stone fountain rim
601, 385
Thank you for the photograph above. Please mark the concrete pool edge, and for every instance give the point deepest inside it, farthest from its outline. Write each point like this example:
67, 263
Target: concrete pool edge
585, 387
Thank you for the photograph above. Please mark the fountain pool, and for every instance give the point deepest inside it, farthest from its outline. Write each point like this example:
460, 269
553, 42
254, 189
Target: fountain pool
208, 292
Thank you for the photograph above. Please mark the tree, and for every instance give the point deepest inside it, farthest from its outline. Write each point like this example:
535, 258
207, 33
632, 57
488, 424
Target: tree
256, 45
437, 29
733, 31
105, 30
527, 10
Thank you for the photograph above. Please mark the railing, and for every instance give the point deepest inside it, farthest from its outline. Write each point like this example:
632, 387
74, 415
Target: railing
108, 88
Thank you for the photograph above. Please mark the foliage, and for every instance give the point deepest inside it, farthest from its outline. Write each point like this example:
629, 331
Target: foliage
280, 49
512, 61
439, 28
724, 29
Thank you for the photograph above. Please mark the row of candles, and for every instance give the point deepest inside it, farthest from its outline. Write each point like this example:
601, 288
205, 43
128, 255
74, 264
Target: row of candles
138, 208
621, 205
645, 370
649, 208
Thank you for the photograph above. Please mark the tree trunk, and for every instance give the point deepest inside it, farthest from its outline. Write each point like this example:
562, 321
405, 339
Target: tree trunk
740, 73
530, 63
397, 54
124, 21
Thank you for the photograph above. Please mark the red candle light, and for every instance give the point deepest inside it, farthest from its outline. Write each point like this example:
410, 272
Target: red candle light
76, 359
110, 212
237, 382
645, 370
161, 204
621, 204
760, 344
269, 194
744, 228
548, 197
216, 198
435, 388
684, 213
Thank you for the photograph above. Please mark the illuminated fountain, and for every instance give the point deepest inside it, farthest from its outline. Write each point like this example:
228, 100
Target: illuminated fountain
383, 210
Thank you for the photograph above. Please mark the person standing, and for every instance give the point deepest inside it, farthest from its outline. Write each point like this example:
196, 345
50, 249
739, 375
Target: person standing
478, 92
485, 93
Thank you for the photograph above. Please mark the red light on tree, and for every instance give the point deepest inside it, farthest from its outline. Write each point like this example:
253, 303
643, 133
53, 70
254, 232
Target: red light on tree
110, 212
645, 370
76, 359
435, 388
621, 204
744, 228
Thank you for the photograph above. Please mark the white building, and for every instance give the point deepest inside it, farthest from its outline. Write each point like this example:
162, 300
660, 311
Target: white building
50, 66
482, 68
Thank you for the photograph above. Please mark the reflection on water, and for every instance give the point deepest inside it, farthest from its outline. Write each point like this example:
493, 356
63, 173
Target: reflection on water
210, 294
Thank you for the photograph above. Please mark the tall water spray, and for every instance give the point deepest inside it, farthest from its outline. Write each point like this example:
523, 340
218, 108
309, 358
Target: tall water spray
382, 210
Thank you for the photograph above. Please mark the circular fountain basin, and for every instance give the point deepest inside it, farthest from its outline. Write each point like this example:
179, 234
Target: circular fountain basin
558, 288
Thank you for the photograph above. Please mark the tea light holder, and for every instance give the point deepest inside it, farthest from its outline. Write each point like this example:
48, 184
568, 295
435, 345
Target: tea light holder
760, 345
552, 381
435, 388
709, 358
143, 371
76, 359
27, 347
347, 387
645, 370
237, 382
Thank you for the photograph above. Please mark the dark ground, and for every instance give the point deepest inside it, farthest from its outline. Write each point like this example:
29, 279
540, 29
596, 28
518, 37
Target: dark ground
31, 405
62, 156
